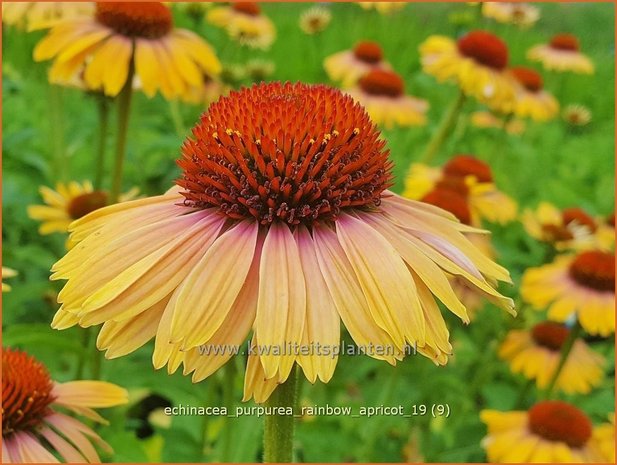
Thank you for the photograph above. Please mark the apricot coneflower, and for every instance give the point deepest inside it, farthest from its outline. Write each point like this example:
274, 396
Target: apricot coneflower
551, 431
121, 36
68, 203
33, 427
562, 54
571, 228
348, 66
517, 13
315, 20
470, 177
383, 95
581, 285
281, 222
487, 119
531, 99
7, 273
576, 115
535, 353
244, 23
27, 15
476, 62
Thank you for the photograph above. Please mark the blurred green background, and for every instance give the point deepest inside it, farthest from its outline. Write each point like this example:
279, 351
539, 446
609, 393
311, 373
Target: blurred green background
548, 162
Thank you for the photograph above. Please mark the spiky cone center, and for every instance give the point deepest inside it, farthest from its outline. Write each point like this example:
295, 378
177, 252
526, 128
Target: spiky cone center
26, 392
568, 42
383, 83
368, 52
528, 78
550, 335
247, 8
149, 20
485, 48
86, 203
451, 201
595, 270
578, 216
295, 153
462, 166
556, 420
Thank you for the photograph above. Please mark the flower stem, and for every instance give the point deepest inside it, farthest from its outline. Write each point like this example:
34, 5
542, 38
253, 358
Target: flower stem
566, 348
176, 116
279, 429
57, 132
124, 108
229, 373
99, 169
443, 130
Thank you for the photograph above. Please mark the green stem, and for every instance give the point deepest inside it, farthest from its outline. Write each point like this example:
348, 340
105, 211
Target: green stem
444, 129
279, 429
103, 111
57, 132
97, 358
83, 355
176, 116
520, 401
566, 348
124, 108
229, 372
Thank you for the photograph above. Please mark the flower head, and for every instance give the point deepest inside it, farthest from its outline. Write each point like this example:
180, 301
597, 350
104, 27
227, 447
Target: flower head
552, 431
469, 177
576, 115
531, 99
488, 119
382, 93
476, 62
562, 54
281, 223
315, 20
244, 23
536, 352
517, 13
7, 273
383, 8
120, 35
349, 66
32, 426
581, 285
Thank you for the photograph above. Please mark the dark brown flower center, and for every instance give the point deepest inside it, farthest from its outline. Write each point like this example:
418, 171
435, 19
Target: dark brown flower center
595, 270
556, 420
451, 201
149, 20
382, 82
466, 165
578, 216
83, 204
484, 48
368, 52
528, 78
550, 335
26, 392
565, 42
247, 8
285, 152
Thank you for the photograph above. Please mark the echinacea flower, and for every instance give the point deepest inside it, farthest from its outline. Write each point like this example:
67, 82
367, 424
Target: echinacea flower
562, 54
348, 66
26, 15
68, 203
576, 115
476, 63
531, 100
120, 35
470, 177
34, 428
245, 23
517, 13
383, 95
582, 285
487, 119
551, 431
571, 228
315, 20
383, 8
282, 223
7, 273
536, 352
